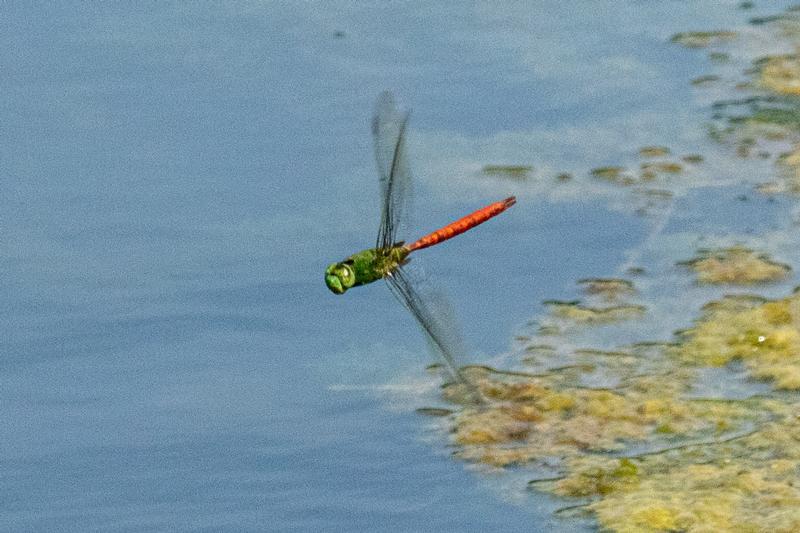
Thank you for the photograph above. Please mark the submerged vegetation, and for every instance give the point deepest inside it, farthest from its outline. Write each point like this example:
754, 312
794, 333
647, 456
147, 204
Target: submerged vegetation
643, 436
517, 172
654, 151
766, 121
641, 450
702, 39
780, 74
612, 174
656, 168
743, 483
736, 265
696, 431
763, 334
582, 314
610, 289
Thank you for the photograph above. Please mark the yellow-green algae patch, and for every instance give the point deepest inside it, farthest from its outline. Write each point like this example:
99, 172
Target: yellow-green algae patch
620, 363
695, 450
434, 411
662, 167
781, 74
771, 112
654, 167
790, 166
719, 57
578, 313
613, 174
517, 172
654, 151
644, 453
702, 39
746, 482
658, 194
535, 353
763, 334
706, 79
610, 289
532, 417
736, 265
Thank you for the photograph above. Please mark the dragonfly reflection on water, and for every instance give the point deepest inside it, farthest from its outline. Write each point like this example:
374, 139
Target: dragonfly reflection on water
388, 258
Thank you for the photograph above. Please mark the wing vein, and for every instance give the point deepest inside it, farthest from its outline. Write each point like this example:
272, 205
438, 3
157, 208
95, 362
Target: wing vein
411, 300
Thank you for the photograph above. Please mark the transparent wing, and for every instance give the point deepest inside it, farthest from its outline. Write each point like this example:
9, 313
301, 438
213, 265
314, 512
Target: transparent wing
388, 131
437, 320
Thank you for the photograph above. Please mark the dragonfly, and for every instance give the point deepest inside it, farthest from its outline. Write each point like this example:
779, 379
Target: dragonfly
387, 260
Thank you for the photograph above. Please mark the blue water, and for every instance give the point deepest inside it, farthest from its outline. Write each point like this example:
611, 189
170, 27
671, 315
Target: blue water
174, 178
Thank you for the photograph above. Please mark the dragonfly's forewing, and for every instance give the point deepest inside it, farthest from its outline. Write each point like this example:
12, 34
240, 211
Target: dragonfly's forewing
435, 316
388, 131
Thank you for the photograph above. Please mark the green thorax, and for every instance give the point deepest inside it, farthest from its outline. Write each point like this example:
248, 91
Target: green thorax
375, 263
364, 267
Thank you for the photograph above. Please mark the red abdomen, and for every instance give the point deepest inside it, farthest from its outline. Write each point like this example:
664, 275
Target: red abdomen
461, 225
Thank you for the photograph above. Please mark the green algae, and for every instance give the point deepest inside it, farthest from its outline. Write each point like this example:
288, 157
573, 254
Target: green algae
613, 174
602, 480
548, 330
644, 453
696, 451
702, 39
736, 265
434, 411
535, 416
763, 334
707, 79
693, 159
609, 289
654, 151
656, 167
661, 167
742, 483
780, 74
771, 111
622, 430
578, 313
719, 57
539, 348
789, 163
595, 353
535, 353
659, 194
516, 172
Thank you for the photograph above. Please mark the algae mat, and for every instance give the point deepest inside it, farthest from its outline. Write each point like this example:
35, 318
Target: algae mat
665, 397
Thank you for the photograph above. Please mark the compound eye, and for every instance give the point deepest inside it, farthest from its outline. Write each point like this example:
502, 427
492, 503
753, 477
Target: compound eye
345, 273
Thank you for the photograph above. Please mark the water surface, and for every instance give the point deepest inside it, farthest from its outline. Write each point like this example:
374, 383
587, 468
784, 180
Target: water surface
174, 179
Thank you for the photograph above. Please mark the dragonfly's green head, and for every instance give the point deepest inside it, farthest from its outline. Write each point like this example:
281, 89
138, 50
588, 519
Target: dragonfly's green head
339, 277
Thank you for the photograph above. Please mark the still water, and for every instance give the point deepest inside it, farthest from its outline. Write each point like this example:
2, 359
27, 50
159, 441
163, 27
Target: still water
174, 178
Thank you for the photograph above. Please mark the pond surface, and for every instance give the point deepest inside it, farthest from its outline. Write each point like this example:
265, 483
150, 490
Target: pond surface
174, 180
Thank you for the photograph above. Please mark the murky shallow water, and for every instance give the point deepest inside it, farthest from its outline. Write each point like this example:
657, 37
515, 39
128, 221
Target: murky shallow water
173, 182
